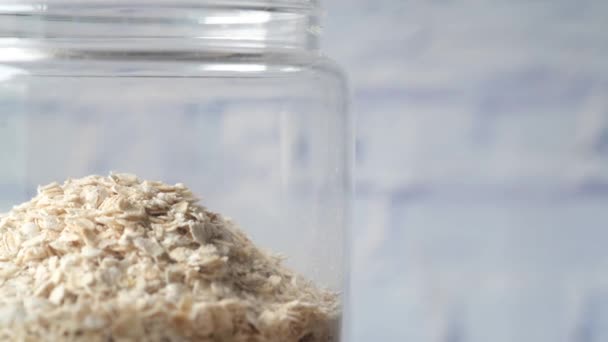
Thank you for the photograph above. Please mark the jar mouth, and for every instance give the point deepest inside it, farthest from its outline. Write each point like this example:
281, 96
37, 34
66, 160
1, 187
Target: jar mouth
282, 24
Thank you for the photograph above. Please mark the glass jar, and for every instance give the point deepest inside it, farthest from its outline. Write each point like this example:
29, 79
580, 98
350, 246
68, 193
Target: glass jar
231, 98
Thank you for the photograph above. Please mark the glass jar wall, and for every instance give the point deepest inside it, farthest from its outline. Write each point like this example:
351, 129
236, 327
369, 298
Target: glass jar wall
232, 99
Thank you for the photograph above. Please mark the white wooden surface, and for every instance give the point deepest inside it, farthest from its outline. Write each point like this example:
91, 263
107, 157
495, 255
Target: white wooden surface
482, 168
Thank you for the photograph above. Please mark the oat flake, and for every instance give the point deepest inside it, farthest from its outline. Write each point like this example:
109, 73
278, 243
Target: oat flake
120, 259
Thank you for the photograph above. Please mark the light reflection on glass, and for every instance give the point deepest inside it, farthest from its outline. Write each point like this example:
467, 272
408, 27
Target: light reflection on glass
15, 54
235, 67
243, 17
16, 8
8, 72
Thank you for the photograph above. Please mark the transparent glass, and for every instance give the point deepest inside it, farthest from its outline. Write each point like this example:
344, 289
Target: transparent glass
231, 98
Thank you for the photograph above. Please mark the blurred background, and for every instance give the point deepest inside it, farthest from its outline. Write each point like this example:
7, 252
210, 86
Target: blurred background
481, 165
482, 170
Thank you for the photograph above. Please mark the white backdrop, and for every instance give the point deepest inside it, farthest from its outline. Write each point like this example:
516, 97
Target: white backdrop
482, 168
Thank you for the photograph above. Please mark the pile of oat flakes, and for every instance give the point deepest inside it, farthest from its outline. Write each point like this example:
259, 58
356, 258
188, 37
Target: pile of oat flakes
119, 259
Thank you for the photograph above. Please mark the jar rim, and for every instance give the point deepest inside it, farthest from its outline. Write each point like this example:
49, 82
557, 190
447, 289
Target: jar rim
291, 24
40, 5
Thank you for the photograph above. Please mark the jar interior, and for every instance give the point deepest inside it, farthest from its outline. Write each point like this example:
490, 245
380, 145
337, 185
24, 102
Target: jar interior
269, 152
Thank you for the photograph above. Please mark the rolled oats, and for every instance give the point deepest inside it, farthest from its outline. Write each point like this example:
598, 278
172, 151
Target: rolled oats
120, 259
